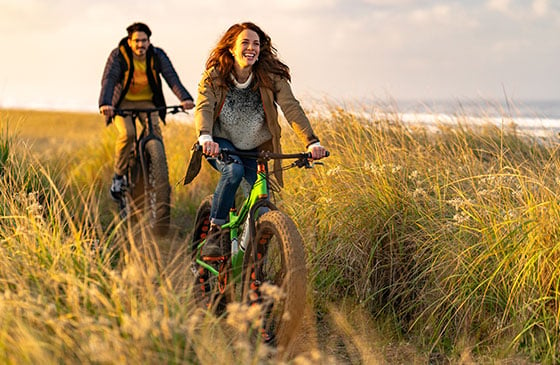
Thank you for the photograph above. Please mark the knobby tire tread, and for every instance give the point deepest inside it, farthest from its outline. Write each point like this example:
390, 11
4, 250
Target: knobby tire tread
157, 200
294, 282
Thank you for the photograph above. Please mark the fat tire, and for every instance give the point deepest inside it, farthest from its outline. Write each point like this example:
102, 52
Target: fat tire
201, 224
157, 197
136, 184
206, 290
278, 241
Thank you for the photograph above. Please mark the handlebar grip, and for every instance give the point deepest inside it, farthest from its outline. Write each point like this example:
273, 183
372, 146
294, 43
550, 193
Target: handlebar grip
327, 154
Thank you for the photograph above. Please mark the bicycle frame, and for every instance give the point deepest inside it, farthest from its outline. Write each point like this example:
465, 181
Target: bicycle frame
257, 198
143, 138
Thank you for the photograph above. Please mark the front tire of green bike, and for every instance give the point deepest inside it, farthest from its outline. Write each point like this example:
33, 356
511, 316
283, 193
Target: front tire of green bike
276, 267
157, 196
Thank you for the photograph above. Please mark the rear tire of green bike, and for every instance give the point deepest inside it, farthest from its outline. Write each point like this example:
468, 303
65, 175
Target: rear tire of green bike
206, 290
201, 224
277, 257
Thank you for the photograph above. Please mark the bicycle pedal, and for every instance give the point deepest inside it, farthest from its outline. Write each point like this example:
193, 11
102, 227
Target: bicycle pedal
213, 258
268, 337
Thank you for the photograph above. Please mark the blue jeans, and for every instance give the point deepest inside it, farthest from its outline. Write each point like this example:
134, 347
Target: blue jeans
232, 173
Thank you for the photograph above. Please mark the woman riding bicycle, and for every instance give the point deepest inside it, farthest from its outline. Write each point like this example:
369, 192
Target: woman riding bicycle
236, 109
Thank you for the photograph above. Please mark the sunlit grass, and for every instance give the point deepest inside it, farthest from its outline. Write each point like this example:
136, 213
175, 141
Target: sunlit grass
452, 233
74, 291
75, 288
52, 132
437, 244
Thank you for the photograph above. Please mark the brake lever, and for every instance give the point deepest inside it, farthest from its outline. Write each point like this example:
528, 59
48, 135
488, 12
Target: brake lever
225, 158
311, 164
176, 109
302, 162
308, 164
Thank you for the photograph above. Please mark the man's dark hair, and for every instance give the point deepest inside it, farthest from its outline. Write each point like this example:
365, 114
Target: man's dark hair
138, 27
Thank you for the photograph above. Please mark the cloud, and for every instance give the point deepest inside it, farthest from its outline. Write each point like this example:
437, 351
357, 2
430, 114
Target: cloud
301, 4
540, 7
25, 15
339, 47
390, 2
502, 6
526, 11
453, 17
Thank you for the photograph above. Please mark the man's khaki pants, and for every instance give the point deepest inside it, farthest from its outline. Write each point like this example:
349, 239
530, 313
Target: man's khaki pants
127, 133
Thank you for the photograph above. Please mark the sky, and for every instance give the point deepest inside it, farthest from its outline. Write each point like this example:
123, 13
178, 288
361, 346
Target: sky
54, 51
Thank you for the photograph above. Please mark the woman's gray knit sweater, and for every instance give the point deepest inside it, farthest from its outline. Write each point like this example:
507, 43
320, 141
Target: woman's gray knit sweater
242, 119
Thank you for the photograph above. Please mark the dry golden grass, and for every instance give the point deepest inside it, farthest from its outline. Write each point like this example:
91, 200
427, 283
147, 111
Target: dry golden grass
423, 247
49, 132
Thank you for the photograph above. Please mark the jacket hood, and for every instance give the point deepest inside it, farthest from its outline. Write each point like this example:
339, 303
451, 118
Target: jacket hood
123, 42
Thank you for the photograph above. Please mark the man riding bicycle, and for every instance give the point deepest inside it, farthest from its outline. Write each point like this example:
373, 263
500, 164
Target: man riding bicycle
131, 80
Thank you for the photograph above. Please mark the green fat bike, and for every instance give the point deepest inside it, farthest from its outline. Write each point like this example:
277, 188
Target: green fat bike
264, 262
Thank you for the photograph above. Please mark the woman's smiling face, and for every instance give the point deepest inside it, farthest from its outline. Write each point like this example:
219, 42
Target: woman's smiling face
246, 49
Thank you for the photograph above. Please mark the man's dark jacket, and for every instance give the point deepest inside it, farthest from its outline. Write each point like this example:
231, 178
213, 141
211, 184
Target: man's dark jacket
119, 70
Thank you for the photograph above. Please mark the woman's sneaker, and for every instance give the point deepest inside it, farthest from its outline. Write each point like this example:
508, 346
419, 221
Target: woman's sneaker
213, 246
117, 186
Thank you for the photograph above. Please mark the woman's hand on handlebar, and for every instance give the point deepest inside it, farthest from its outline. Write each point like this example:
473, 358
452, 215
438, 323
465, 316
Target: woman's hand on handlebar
317, 151
107, 110
210, 148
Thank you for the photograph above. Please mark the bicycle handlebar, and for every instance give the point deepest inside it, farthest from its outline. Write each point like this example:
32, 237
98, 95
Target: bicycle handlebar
172, 109
265, 155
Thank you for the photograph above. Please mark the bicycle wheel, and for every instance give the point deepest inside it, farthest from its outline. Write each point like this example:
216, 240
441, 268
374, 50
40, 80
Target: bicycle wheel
275, 266
157, 194
135, 181
209, 290
201, 224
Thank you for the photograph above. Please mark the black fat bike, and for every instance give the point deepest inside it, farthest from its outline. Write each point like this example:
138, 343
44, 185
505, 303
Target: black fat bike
147, 192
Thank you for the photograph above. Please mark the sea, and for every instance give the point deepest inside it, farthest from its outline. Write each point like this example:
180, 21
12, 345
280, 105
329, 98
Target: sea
536, 118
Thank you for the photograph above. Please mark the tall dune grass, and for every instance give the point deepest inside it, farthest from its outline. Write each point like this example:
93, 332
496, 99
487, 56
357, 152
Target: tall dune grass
453, 234
445, 241
77, 289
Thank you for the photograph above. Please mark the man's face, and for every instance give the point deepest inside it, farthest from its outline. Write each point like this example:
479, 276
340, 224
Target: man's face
139, 43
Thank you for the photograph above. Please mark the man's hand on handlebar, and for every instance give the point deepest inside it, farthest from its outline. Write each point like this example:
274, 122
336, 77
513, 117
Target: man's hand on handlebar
187, 104
107, 110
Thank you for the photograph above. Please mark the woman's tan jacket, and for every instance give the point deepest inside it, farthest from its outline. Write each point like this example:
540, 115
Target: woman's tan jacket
211, 98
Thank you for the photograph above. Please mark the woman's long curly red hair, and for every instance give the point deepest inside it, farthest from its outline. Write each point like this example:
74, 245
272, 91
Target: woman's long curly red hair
222, 60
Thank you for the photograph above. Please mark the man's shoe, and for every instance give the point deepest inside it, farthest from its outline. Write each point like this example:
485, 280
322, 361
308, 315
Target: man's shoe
213, 247
117, 186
